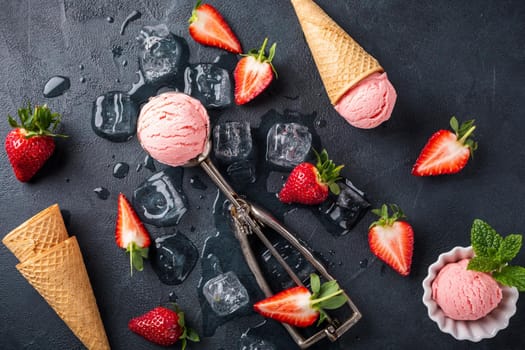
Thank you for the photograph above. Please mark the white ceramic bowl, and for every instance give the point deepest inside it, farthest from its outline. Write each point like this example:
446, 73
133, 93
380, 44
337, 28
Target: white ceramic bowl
486, 327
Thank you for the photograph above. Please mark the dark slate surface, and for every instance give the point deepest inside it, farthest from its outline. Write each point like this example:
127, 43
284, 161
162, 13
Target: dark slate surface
464, 58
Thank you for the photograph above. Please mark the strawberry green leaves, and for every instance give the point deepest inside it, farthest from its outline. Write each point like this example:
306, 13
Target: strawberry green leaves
37, 121
493, 253
326, 296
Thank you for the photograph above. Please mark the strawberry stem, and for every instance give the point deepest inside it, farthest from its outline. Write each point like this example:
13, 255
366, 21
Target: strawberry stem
261, 50
329, 296
467, 134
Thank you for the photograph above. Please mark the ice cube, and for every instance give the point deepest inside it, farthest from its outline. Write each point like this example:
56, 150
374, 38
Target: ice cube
225, 293
288, 144
278, 277
208, 83
114, 116
248, 342
159, 200
232, 141
162, 55
175, 257
242, 172
342, 213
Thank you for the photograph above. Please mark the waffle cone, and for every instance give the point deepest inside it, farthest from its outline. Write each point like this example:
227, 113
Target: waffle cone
59, 275
36, 235
341, 61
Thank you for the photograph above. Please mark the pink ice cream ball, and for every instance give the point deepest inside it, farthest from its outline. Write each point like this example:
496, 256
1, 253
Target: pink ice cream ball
173, 128
465, 294
369, 103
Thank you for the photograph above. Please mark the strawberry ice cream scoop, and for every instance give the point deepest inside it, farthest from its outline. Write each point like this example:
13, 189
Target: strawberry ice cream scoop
173, 128
464, 294
368, 103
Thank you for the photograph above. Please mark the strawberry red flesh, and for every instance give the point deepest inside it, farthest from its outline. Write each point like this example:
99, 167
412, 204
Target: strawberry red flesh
291, 306
208, 27
299, 307
253, 74
392, 240
130, 234
446, 152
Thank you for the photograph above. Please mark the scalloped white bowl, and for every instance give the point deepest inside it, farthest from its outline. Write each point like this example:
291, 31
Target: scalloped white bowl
486, 327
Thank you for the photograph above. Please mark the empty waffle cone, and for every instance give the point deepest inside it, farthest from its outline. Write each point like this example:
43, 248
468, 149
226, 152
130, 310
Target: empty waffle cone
59, 275
341, 61
36, 235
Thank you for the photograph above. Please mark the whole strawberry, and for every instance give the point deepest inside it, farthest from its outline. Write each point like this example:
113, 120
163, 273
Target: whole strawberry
392, 239
163, 326
30, 144
310, 184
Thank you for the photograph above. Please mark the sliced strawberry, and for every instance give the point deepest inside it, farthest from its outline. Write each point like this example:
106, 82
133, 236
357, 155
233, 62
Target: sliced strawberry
392, 240
309, 184
299, 307
446, 152
130, 234
253, 73
208, 27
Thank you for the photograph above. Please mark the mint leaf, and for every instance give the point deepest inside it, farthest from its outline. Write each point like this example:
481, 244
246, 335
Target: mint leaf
513, 276
483, 264
509, 248
333, 303
315, 284
485, 240
328, 288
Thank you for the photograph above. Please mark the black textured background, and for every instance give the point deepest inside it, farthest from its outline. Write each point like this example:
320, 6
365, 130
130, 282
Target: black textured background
463, 58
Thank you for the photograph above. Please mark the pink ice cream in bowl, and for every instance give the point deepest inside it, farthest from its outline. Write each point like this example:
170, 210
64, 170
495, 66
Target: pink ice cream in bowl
469, 305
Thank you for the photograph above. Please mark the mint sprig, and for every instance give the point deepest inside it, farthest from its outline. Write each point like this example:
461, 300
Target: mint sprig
326, 296
493, 254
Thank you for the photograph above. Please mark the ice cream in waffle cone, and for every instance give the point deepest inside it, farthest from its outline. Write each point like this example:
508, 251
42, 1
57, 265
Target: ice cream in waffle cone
39, 233
354, 80
52, 263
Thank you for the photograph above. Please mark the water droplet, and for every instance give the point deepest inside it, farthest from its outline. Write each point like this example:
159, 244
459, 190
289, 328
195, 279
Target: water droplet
82, 79
124, 63
139, 167
192, 229
117, 80
131, 17
120, 170
117, 51
101, 193
201, 197
331, 252
172, 297
110, 19
149, 163
81, 66
56, 86
320, 123
197, 183
363, 263
67, 180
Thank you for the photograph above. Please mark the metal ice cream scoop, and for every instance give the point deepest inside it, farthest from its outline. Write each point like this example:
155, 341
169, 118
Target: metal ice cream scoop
249, 219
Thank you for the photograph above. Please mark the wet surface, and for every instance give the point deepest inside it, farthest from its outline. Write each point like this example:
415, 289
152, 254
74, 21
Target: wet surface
464, 59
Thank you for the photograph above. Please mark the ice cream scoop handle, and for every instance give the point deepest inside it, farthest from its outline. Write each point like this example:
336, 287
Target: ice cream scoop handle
217, 178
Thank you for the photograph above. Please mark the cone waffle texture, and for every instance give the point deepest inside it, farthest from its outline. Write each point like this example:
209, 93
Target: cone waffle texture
36, 235
60, 276
341, 61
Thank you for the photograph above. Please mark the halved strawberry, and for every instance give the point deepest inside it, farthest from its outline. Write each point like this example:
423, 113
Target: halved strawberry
446, 152
309, 184
208, 27
392, 240
253, 73
299, 307
131, 234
